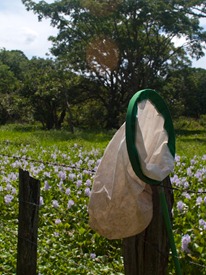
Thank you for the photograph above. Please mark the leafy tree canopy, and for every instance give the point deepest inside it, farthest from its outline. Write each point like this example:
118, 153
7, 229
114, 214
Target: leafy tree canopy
125, 45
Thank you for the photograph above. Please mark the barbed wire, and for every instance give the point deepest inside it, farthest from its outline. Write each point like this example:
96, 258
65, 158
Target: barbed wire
49, 163
92, 171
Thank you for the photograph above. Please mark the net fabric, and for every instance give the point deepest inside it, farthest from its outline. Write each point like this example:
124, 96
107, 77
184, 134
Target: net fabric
151, 142
120, 203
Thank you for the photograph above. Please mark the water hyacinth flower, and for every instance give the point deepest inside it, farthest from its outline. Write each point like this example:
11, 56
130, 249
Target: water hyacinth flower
177, 160
58, 221
180, 206
55, 204
41, 201
47, 174
62, 175
202, 223
68, 191
204, 157
88, 182
92, 255
185, 242
186, 195
78, 183
46, 185
87, 192
60, 185
70, 204
8, 199
189, 171
186, 184
72, 176
199, 200
56, 234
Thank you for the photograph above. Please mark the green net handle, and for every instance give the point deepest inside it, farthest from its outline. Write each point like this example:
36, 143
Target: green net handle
131, 133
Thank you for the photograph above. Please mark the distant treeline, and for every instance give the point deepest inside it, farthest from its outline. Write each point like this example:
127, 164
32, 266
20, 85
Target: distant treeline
45, 90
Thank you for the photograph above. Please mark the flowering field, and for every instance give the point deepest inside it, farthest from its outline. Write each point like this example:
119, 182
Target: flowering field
66, 244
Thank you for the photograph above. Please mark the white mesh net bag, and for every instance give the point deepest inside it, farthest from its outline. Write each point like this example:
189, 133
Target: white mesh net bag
121, 202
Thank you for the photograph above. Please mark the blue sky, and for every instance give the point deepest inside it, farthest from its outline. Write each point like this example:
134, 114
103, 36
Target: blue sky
20, 30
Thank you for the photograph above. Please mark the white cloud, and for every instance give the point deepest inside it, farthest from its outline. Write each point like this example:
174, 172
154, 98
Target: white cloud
20, 30
29, 35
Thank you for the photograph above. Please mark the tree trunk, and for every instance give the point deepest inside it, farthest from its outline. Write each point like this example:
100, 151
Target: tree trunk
70, 119
147, 253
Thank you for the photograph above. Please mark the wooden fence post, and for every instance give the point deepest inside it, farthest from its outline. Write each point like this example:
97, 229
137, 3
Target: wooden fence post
147, 253
29, 194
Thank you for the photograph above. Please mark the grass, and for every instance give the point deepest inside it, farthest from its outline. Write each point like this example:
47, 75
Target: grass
28, 134
66, 247
190, 137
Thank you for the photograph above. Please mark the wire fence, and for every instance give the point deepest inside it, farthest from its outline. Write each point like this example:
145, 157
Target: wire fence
92, 171
13, 233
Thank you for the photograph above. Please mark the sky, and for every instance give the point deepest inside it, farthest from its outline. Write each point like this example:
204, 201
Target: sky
21, 30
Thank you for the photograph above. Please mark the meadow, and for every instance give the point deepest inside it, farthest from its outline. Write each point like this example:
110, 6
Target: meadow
65, 164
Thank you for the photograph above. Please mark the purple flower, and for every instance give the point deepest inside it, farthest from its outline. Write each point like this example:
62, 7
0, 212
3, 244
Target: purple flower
186, 195
60, 185
72, 176
47, 174
92, 255
189, 171
55, 203
79, 183
58, 221
199, 200
41, 201
70, 204
204, 157
202, 222
185, 242
177, 158
88, 183
68, 191
62, 175
8, 199
180, 206
186, 184
46, 185
87, 192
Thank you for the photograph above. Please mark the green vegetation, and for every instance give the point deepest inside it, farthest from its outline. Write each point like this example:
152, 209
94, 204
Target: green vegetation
52, 110
190, 136
64, 163
116, 50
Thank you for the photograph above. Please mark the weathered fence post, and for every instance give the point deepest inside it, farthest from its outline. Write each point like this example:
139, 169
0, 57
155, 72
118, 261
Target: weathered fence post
29, 194
147, 253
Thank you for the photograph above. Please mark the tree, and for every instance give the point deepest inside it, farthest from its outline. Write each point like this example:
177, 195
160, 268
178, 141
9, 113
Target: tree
124, 45
53, 91
15, 60
9, 86
185, 92
13, 65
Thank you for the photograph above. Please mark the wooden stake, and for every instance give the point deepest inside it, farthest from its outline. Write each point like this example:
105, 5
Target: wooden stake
29, 194
147, 253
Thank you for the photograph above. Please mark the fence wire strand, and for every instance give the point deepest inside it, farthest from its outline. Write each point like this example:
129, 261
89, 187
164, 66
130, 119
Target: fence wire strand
93, 171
